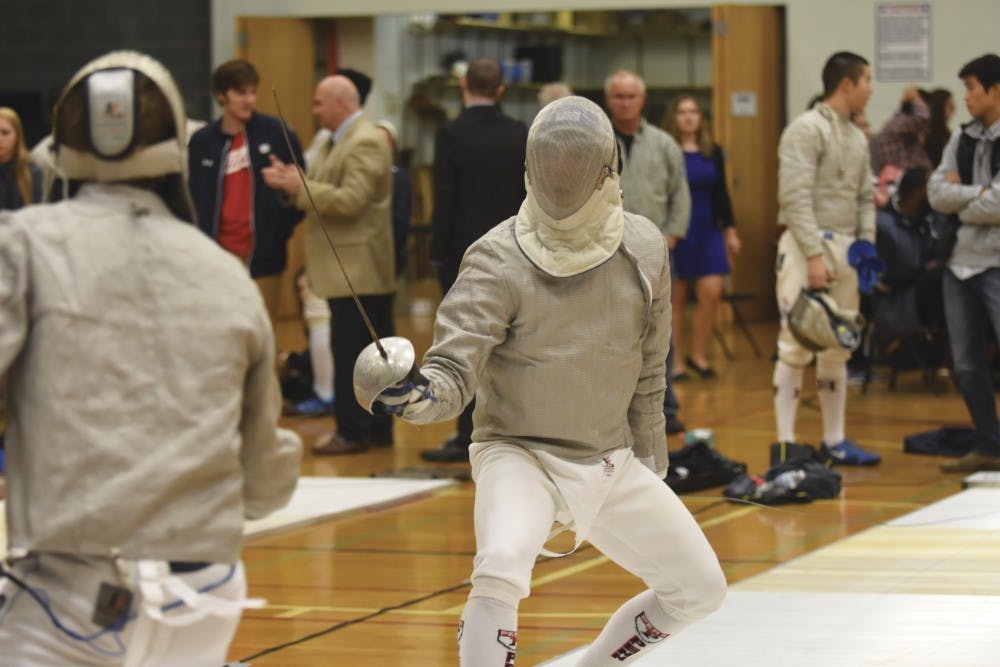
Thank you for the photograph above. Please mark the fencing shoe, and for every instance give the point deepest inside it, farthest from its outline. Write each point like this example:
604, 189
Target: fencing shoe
847, 452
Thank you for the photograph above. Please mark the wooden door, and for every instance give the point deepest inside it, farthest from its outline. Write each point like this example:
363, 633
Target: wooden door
748, 91
284, 52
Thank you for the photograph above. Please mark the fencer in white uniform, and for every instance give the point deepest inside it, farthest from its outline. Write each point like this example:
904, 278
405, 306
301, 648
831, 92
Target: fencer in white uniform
142, 399
825, 199
559, 324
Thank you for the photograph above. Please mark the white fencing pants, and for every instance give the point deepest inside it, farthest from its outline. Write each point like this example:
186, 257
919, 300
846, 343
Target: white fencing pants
792, 276
641, 525
69, 586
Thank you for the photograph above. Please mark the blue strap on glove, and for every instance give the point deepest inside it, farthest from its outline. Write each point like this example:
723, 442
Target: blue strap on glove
394, 399
863, 256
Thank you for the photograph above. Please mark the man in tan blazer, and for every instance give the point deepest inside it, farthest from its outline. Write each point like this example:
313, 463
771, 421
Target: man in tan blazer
351, 184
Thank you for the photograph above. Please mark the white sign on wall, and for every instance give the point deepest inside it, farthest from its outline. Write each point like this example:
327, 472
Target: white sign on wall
744, 103
903, 42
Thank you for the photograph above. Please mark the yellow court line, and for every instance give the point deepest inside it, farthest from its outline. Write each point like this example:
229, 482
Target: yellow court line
293, 611
884, 503
729, 516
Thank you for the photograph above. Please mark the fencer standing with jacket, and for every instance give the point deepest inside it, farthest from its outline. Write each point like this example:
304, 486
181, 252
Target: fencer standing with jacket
559, 323
825, 198
143, 404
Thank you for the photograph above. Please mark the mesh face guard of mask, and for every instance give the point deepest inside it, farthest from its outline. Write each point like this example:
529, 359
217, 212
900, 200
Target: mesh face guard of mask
819, 324
571, 150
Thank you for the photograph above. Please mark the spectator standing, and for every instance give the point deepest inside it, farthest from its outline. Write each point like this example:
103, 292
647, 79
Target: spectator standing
551, 92
942, 109
701, 256
901, 140
967, 185
900, 144
653, 181
351, 184
402, 195
315, 364
478, 182
364, 84
20, 179
233, 204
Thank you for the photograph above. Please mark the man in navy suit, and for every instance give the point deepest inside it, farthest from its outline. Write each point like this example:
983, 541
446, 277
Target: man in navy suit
478, 183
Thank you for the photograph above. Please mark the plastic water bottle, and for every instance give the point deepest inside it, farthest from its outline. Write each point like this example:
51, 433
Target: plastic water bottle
789, 479
702, 434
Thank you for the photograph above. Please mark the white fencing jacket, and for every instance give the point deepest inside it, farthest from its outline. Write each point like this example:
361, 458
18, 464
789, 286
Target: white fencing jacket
573, 366
824, 179
141, 393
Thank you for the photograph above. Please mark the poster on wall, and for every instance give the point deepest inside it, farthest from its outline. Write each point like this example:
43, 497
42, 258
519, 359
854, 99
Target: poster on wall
903, 42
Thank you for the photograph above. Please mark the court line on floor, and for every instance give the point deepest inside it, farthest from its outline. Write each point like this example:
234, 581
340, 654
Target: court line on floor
570, 570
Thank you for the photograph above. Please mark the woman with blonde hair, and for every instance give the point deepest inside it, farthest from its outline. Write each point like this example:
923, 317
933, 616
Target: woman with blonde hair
701, 256
20, 179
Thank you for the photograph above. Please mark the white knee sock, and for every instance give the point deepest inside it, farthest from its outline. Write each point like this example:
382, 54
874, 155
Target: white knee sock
638, 627
831, 386
787, 389
322, 361
487, 633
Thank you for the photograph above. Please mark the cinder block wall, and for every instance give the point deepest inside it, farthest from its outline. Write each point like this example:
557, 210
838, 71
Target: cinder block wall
43, 42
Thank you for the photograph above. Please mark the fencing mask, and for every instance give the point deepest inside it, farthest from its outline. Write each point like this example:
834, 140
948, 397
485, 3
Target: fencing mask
572, 219
818, 323
121, 118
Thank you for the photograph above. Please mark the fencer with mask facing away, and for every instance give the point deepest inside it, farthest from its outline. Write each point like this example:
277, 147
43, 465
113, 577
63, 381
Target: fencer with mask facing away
143, 404
559, 324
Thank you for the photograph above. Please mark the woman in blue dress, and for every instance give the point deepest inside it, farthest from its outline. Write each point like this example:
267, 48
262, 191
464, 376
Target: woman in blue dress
702, 257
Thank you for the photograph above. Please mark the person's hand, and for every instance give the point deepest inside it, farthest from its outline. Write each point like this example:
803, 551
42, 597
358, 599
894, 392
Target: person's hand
395, 399
281, 176
953, 177
880, 197
820, 275
671, 241
863, 256
732, 240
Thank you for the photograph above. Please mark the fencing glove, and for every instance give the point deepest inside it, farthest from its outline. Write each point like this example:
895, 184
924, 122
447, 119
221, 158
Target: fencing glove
863, 256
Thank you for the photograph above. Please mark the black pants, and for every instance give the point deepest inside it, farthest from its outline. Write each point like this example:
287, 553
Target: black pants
446, 278
348, 336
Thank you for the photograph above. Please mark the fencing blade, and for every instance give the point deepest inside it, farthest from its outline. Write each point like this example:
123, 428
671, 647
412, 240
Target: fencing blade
336, 255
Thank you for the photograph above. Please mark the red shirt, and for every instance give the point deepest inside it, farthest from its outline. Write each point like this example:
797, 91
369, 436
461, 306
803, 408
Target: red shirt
235, 229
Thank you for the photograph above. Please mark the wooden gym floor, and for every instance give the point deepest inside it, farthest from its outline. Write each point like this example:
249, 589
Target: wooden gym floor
385, 587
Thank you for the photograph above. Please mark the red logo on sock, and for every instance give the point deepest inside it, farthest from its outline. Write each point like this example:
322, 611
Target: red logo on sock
628, 649
646, 633
647, 630
507, 639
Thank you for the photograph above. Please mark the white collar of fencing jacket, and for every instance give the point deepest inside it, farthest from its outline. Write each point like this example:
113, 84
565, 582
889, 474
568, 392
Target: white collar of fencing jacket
577, 243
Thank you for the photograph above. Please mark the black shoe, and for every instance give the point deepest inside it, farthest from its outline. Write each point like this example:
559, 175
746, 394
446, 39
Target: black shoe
674, 425
333, 444
972, 462
706, 372
453, 450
